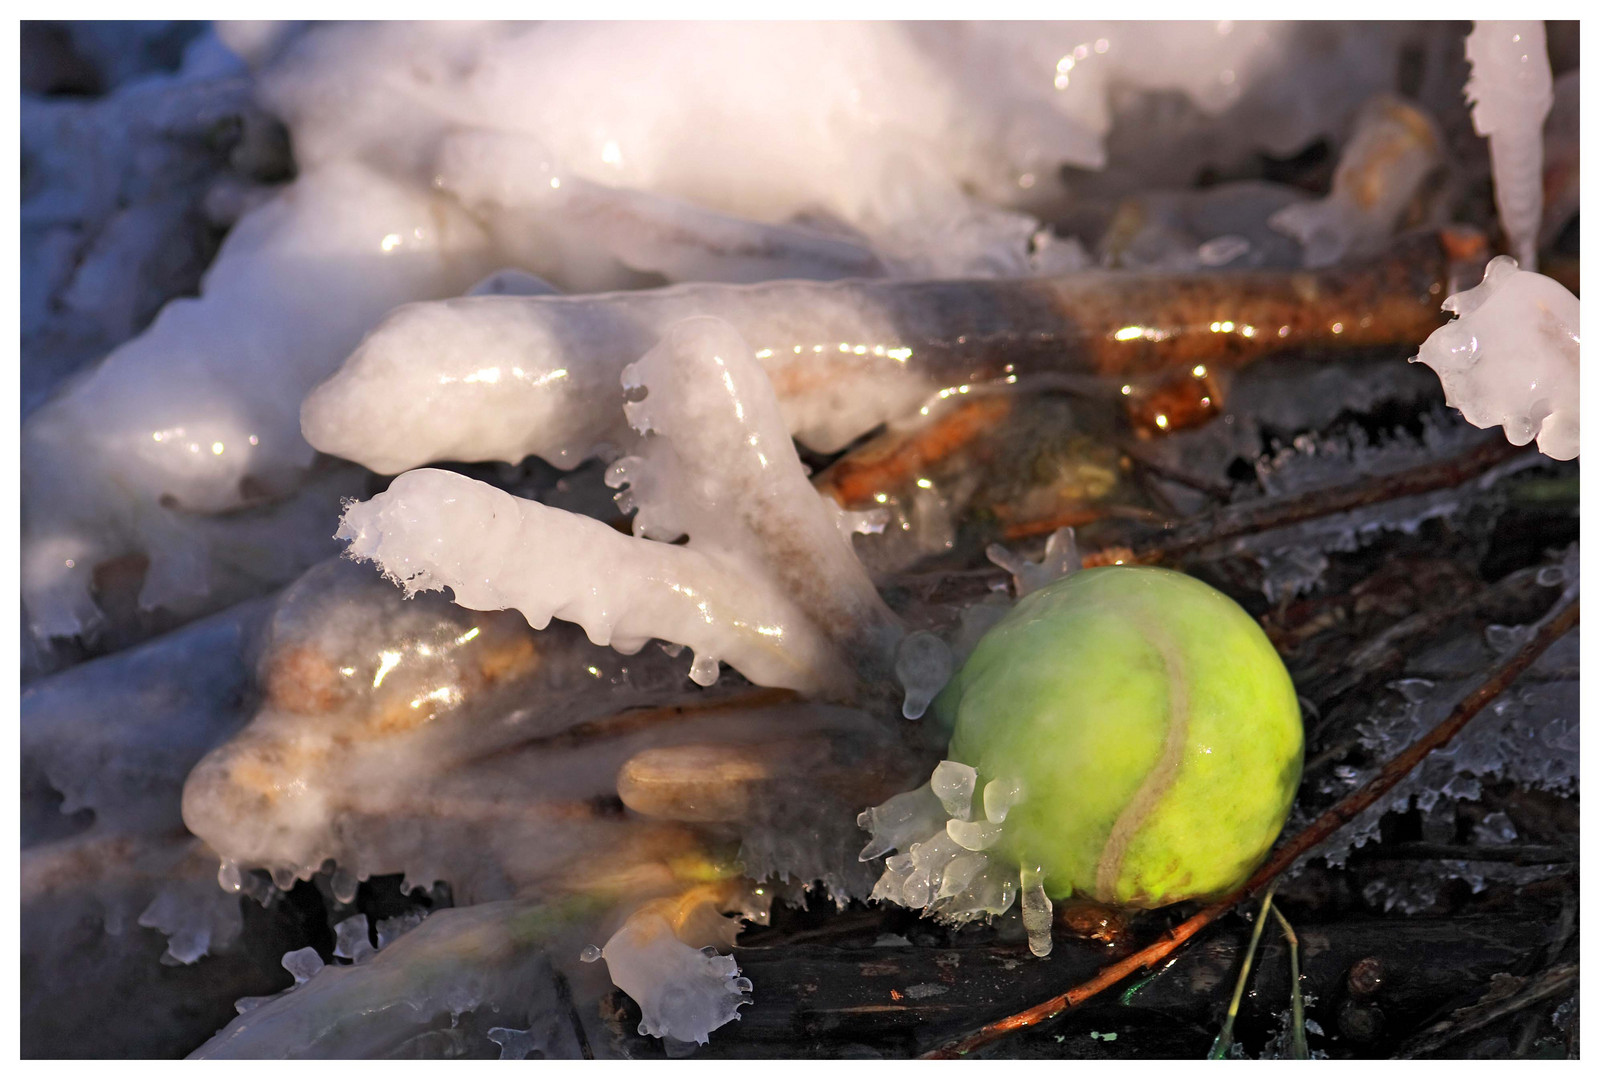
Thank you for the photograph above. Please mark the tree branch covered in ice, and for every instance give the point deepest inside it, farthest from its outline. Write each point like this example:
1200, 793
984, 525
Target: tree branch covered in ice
767, 580
763, 150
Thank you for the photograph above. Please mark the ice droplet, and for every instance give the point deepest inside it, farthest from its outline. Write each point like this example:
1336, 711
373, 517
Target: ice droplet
974, 835
590, 954
1036, 911
953, 783
344, 885
923, 665
302, 964
705, 669
352, 939
999, 796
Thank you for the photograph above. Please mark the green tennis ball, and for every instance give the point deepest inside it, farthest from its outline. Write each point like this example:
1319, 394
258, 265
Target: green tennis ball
1154, 729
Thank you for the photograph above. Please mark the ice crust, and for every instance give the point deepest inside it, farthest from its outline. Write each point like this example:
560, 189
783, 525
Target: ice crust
1510, 357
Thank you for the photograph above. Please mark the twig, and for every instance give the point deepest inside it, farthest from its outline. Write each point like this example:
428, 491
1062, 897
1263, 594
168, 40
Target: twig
1486, 1012
1333, 819
1258, 517
1516, 854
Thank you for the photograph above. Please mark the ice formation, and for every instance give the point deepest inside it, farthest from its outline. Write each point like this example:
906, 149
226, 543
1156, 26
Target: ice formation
104, 247
756, 148
684, 991
462, 971
217, 428
766, 582
1530, 735
1510, 357
499, 379
940, 837
1511, 94
1394, 149
1060, 559
416, 737
75, 735
404, 734
369, 746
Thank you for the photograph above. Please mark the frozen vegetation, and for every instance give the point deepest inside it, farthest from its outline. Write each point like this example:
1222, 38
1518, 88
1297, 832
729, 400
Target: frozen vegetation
544, 329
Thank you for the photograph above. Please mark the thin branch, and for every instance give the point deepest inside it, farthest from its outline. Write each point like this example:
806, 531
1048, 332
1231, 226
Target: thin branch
1490, 1008
1262, 516
1331, 821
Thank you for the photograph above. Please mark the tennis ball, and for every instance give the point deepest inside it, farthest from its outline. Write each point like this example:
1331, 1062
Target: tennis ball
1153, 727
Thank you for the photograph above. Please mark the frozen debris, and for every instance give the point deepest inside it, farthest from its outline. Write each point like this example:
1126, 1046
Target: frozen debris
683, 992
302, 964
1036, 911
1060, 559
1511, 93
194, 918
1510, 358
404, 736
900, 821
118, 735
765, 582
117, 881
940, 866
113, 221
999, 796
463, 970
1294, 558
1394, 149
199, 414
623, 591
883, 128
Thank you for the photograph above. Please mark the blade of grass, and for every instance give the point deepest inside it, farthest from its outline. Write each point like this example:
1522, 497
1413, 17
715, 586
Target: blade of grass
1297, 999
1224, 1039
